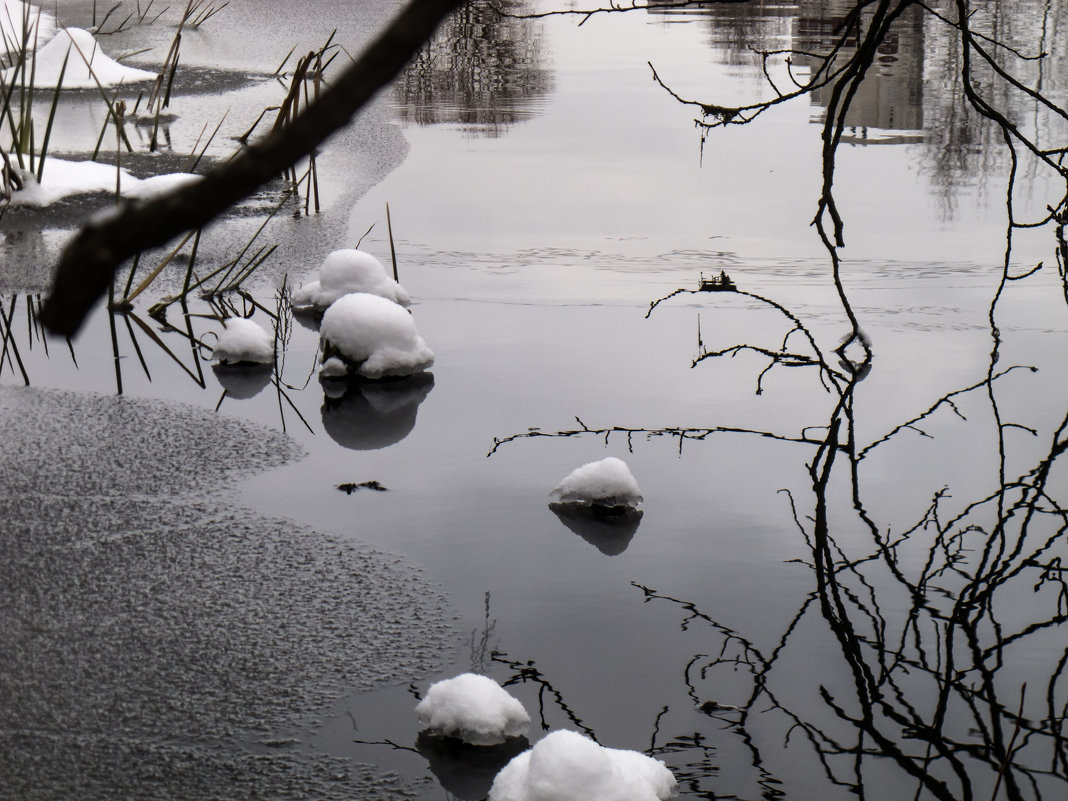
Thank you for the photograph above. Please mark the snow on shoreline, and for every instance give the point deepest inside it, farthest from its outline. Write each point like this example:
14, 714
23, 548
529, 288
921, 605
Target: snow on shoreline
63, 179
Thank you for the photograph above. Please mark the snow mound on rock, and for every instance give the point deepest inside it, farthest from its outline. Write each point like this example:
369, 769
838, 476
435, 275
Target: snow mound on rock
373, 336
244, 341
608, 482
346, 271
567, 766
472, 708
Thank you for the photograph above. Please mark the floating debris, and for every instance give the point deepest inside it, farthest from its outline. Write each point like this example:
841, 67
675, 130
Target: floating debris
717, 283
350, 487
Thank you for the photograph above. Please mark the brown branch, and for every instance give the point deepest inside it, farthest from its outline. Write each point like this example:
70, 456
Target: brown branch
89, 262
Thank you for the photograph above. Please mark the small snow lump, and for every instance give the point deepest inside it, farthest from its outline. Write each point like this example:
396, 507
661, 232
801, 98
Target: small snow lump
472, 708
373, 336
343, 272
243, 341
607, 483
568, 766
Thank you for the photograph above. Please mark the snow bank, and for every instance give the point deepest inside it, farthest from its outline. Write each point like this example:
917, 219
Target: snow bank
14, 14
63, 179
346, 271
608, 482
244, 341
472, 708
567, 766
83, 48
373, 336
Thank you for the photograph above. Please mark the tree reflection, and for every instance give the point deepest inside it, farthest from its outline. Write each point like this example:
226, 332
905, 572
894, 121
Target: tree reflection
942, 667
483, 71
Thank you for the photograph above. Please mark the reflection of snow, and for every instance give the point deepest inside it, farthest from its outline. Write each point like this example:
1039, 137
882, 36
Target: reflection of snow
346, 271
467, 771
82, 48
606, 483
368, 416
63, 179
242, 382
374, 336
472, 708
609, 531
567, 766
244, 341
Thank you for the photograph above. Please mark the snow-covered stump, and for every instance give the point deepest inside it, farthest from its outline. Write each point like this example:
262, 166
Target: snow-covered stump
568, 766
367, 336
601, 502
342, 273
473, 709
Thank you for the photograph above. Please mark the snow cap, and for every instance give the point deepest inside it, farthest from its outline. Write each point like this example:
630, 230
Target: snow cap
472, 708
346, 271
244, 341
608, 482
568, 766
375, 336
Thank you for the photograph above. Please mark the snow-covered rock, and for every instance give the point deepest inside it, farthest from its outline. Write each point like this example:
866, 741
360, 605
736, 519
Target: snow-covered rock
346, 271
62, 179
373, 336
472, 708
244, 341
86, 65
607, 483
567, 766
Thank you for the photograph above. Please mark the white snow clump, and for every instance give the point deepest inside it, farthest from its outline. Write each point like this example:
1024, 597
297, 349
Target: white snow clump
375, 337
608, 482
244, 341
82, 47
472, 708
567, 766
14, 15
62, 179
345, 271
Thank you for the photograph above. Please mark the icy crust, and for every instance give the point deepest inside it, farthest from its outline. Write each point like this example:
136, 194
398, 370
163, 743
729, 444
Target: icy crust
243, 341
608, 482
344, 272
374, 337
159, 641
62, 179
86, 63
472, 708
567, 766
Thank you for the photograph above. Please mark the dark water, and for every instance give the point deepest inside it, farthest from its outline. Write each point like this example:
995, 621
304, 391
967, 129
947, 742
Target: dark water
815, 605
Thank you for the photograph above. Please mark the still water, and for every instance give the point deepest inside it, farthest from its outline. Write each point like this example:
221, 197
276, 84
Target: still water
816, 604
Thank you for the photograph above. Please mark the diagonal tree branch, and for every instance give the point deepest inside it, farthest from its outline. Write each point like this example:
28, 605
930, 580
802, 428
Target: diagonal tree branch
88, 263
